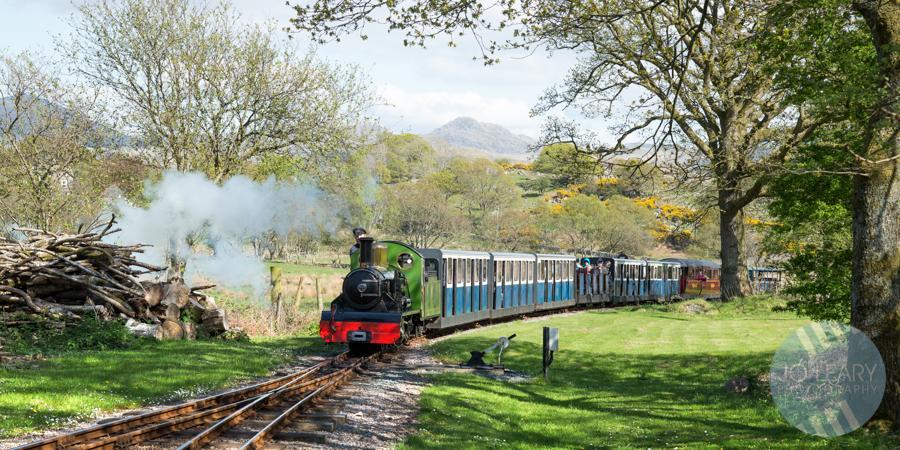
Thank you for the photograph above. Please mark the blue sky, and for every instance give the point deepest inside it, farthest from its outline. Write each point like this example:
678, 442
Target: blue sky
420, 89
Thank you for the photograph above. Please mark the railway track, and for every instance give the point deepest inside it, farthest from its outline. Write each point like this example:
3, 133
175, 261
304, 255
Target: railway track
245, 418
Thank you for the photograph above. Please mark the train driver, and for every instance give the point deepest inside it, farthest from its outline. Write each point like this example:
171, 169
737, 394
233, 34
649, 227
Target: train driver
358, 232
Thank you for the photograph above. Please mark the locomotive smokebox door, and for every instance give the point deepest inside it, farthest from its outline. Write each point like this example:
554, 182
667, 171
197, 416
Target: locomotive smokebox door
551, 345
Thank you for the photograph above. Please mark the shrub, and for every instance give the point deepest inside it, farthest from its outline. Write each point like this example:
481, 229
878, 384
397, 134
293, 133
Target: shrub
34, 335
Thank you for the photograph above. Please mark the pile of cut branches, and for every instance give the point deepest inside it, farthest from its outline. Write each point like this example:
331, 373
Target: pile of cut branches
67, 276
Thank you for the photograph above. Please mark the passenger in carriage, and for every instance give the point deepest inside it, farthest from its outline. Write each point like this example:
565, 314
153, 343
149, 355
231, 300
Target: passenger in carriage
584, 270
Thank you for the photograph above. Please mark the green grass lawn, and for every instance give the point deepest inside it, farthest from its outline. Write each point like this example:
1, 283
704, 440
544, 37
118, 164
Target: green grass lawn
308, 269
75, 386
645, 378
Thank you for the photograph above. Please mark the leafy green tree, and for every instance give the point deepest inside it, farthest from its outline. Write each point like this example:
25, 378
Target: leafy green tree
707, 108
419, 213
813, 229
483, 192
565, 165
586, 225
842, 58
402, 157
198, 90
704, 240
826, 61
50, 135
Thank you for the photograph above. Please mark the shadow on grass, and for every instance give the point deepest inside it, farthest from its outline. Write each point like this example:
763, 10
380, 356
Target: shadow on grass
611, 400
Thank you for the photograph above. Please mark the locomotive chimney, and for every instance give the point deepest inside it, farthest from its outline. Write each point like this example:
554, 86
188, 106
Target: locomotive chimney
365, 251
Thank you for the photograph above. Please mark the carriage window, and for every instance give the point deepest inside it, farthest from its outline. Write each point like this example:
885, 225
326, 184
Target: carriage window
431, 268
476, 270
484, 267
461, 268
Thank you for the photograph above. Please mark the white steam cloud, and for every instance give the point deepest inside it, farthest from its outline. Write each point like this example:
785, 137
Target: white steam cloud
188, 207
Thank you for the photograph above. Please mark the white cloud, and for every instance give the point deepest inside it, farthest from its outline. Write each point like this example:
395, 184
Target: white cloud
421, 111
423, 89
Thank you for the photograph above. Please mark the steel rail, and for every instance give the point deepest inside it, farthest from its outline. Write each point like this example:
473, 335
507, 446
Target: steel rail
258, 440
161, 429
321, 383
127, 425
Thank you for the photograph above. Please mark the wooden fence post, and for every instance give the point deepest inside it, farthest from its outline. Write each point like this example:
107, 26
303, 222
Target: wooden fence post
318, 296
275, 295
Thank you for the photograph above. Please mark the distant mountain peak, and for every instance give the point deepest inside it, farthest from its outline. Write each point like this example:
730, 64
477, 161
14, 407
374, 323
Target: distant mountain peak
468, 132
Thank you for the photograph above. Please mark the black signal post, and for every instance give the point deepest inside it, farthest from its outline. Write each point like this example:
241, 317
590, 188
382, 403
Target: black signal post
551, 345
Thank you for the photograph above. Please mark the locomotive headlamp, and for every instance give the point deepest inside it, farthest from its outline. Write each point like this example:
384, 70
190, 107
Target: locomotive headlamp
405, 260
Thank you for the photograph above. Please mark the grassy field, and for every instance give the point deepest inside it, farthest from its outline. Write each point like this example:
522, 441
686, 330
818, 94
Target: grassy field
647, 378
77, 386
308, 269
252, 311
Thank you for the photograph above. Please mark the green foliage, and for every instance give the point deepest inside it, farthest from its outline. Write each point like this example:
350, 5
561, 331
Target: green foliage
565, 165
820, 52
30, 335
48, 137
258, 95
585, 224
236, 335
488, 197
705, 241
813, 214
420, 214
763, 306
403, 157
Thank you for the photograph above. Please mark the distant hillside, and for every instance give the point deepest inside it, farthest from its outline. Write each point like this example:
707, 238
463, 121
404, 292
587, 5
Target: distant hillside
468, 133
37, 113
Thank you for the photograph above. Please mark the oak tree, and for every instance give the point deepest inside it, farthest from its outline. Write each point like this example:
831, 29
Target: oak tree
198, 90
706, 105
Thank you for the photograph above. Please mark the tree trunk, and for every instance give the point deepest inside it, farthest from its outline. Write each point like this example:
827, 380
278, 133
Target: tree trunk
734, 281
875, 284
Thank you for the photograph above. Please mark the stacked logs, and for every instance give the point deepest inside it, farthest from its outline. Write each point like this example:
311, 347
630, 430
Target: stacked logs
69, 276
